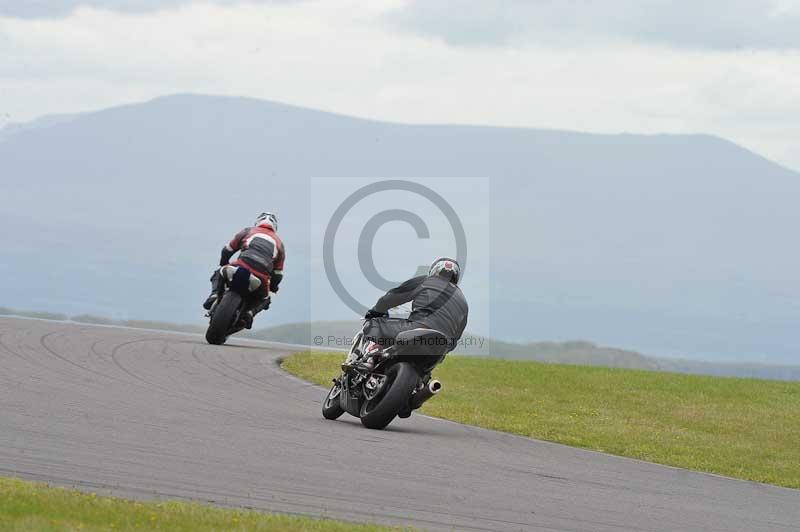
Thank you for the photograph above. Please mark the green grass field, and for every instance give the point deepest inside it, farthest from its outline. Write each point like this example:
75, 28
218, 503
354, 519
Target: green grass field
742, 428
32, 507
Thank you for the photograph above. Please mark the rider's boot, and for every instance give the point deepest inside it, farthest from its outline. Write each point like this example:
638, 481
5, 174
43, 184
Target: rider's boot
249, 314
247, 319
367, 362
216, 286
352, 358
358, 359
209, 302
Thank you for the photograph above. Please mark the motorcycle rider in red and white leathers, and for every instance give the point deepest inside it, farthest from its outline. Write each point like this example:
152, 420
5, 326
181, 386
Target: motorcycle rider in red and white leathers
261, 252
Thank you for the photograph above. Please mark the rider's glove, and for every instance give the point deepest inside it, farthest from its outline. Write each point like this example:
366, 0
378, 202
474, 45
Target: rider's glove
225, 256
371, 313
275, 280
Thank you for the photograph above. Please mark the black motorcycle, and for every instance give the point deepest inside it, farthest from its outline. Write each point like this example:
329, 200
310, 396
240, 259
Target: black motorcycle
399, 382
238, 285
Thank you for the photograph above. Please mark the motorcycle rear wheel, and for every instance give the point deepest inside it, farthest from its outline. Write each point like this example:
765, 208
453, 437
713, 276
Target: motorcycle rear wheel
378, 412
226, 311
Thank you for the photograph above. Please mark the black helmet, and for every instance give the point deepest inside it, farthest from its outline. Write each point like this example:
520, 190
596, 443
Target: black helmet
446, 268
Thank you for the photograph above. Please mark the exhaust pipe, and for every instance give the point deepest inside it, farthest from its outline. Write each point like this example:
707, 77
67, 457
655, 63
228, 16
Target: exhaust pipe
425, 393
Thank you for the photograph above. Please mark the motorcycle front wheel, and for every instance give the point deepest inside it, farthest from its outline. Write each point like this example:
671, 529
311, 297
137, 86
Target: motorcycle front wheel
332, 405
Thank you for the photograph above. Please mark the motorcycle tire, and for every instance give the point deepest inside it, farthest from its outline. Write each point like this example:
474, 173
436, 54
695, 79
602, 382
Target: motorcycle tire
225, 313
332, 405
392, 399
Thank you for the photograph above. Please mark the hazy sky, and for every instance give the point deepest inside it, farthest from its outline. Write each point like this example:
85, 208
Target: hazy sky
726, 67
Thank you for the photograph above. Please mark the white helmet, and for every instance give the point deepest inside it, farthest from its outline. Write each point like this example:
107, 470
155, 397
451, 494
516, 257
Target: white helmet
267, 219
446, 267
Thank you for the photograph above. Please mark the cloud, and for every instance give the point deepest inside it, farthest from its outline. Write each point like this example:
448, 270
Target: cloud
61, 8
338, 56
704, 24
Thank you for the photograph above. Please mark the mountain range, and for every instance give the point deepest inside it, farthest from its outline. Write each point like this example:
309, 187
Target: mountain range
670, 245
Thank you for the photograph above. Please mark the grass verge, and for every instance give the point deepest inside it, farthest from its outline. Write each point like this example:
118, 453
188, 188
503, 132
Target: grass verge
28, 506
743, 428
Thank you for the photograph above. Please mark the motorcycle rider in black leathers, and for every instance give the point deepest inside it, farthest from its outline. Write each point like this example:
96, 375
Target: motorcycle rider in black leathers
438, 303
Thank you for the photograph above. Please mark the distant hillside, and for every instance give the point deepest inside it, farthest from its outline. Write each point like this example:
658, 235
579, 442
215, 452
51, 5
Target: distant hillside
339, 335
719, 369
14, 128
674, 245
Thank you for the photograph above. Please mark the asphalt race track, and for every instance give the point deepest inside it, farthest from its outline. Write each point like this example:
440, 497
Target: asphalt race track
148, 414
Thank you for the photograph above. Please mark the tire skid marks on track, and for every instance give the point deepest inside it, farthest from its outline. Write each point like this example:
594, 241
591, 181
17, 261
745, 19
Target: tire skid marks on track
252, 413
84, 369
154, 386
208, 365
162, 415
260, 384
18, 354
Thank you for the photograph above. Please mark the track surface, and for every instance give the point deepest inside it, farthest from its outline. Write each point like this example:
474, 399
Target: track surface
150, 414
